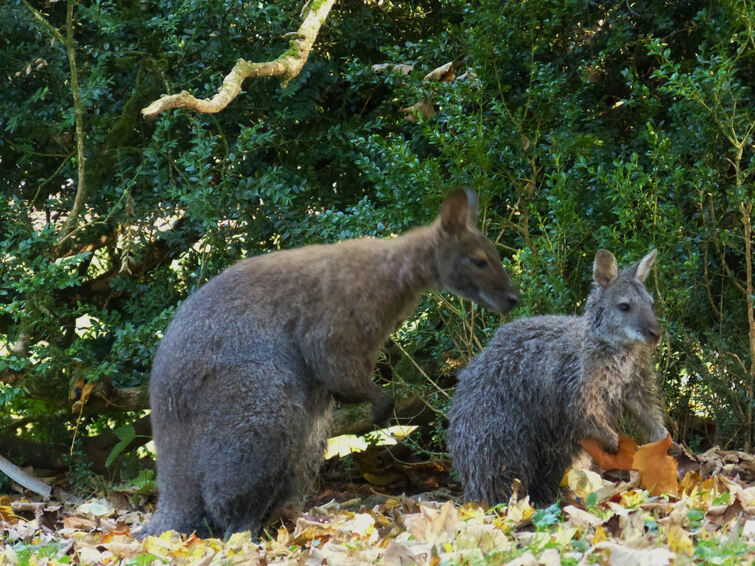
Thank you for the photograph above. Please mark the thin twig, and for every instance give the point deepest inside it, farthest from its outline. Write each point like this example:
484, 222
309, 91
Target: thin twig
416, 365
70, 46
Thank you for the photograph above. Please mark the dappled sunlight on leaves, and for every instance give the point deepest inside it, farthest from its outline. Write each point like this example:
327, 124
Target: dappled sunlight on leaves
712, 521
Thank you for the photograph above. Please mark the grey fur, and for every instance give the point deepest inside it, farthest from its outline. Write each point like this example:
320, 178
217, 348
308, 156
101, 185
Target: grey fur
546, 382
243, 382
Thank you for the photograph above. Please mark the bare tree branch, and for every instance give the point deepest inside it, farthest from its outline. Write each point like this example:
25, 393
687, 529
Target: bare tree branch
78, 200
50, 455
286, 66
25, 479
70, 45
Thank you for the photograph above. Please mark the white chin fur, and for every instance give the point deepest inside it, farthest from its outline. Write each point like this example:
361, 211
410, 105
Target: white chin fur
489, 302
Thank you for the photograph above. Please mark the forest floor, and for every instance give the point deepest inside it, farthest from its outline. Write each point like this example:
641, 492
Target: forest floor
363, 515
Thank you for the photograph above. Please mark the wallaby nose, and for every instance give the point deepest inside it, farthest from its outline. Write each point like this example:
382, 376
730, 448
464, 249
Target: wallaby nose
512, 300
655, 334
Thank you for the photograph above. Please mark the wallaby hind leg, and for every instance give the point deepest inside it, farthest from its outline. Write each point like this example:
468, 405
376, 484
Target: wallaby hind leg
310, 453
246, 481
180, 500
252, 442
182, 512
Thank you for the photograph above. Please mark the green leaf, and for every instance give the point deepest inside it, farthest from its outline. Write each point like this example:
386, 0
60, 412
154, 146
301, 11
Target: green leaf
126, 433
591, 500
544, 518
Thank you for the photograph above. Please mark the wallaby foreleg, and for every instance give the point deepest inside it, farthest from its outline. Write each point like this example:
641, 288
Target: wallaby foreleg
648, 416
352, 383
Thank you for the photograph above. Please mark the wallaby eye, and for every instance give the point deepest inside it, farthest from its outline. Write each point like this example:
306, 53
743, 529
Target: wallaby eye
479, 261
624, 307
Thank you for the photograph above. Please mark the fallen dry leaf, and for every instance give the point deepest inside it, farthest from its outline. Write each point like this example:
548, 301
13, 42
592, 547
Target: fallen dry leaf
679, 540
583, 482
620, 555
80, 394
657, 469
433, 525
582, 518
712, 522
79, 523
688, 484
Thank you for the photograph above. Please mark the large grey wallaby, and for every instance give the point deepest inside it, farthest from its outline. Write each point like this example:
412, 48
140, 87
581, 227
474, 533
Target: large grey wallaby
243, 382
545, 383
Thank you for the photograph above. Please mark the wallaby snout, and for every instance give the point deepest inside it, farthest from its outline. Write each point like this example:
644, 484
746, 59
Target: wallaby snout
513, 300
509, 301
502, 299
468, 263
653, 331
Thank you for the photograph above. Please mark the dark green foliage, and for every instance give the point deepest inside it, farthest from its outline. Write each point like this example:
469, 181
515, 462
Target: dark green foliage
581, 125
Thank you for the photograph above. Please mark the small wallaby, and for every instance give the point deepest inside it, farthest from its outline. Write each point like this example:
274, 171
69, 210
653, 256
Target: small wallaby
545, 383
243, 382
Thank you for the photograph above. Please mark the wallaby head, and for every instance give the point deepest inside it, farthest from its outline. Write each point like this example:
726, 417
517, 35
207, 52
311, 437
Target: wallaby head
621, 307
468, 263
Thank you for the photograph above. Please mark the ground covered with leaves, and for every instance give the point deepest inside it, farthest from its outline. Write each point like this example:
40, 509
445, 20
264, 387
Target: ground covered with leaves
600, 519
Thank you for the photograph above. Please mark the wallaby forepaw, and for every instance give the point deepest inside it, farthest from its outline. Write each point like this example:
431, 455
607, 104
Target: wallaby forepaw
611, 443
382, 409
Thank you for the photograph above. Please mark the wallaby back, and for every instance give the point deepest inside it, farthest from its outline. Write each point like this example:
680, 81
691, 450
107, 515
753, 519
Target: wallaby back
545, 383
244, 379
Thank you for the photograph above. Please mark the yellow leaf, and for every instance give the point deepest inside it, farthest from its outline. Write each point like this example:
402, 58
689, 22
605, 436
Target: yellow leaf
689, 483
383, 478
632, 498
583, 482
164, 544
81, 391
471, 511
193, 549
392, 503
519, 512
657, 469
679, 541
239, 540
599, 536
7, 514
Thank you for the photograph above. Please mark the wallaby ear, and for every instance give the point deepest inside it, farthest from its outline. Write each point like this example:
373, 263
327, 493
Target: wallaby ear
644, 266
459, 211
472, 207
604, 269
